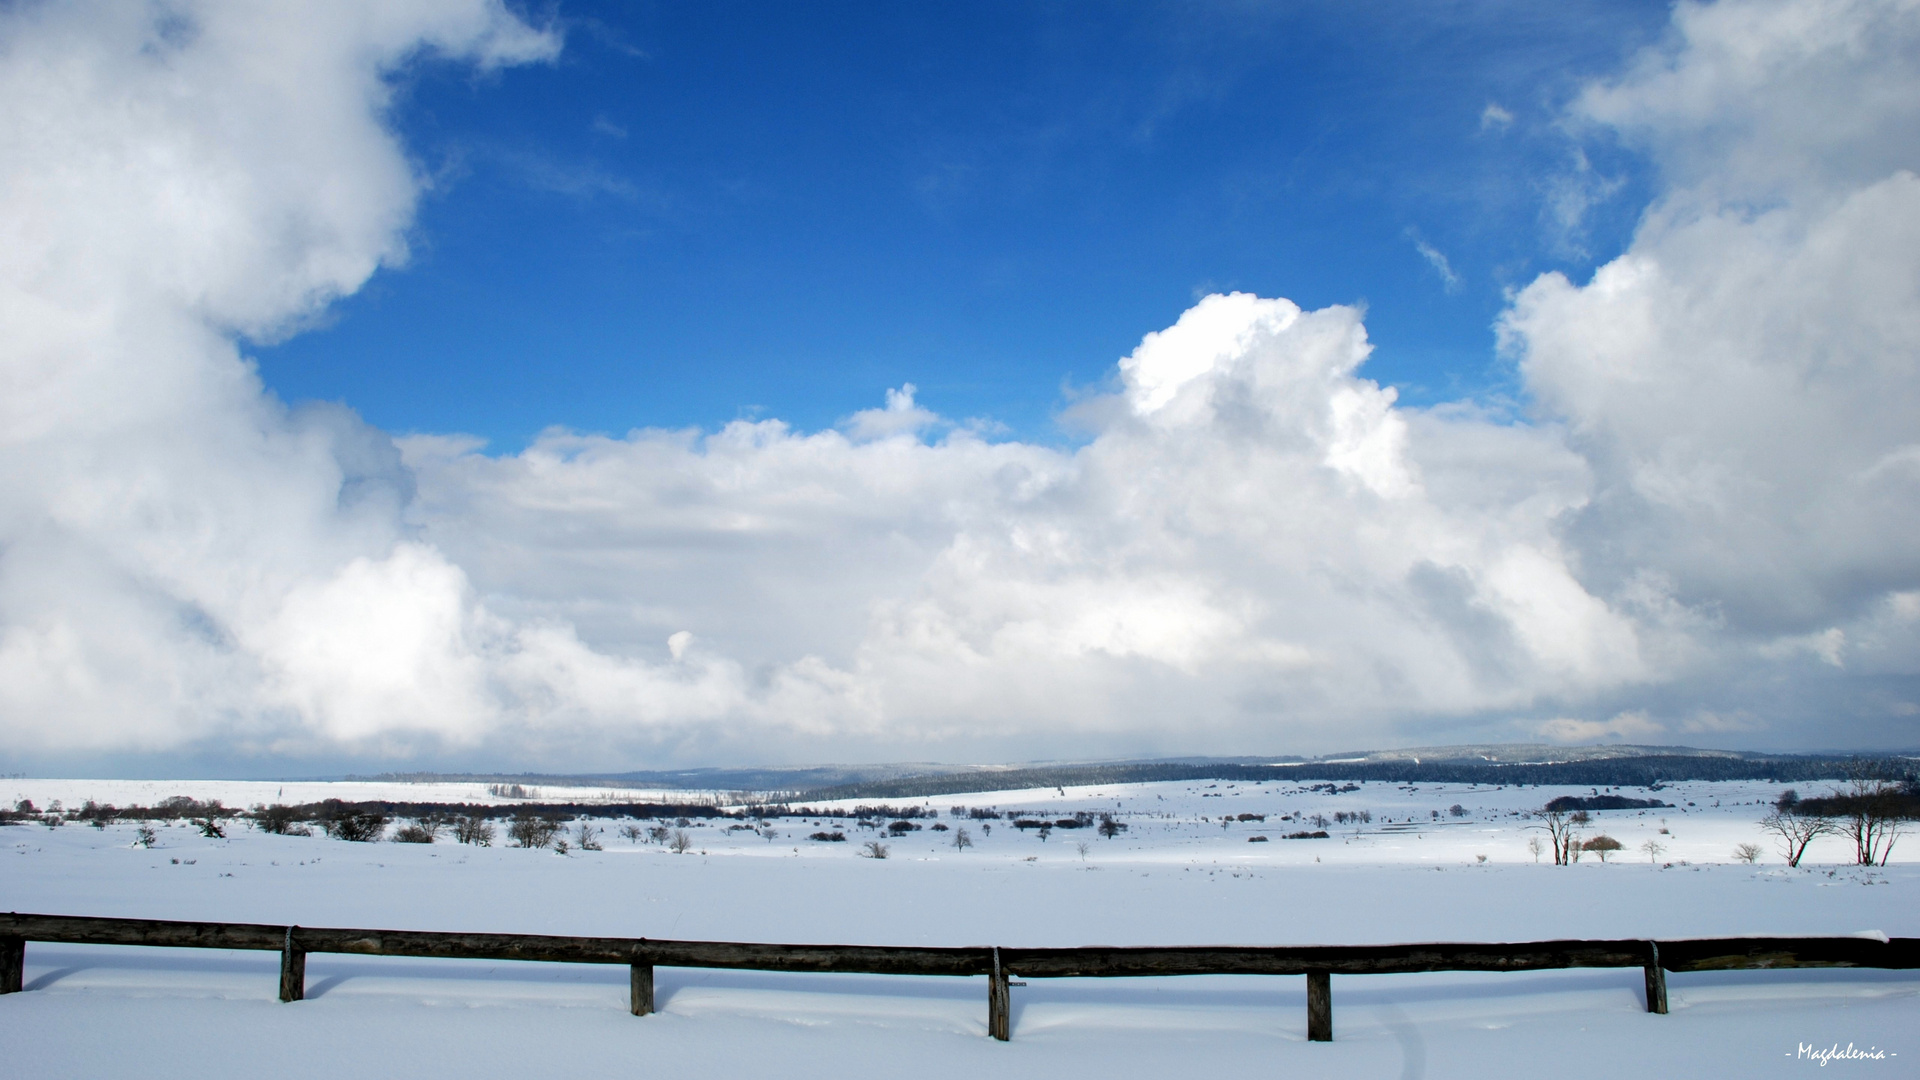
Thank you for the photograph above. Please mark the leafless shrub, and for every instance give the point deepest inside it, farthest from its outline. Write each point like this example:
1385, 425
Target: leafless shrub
275, 820
532, 831
359, 826
413, 833
658, 834
680, 842
145, 837
874, 849
473, 829
588, 837
632, 833
1746, 853
961, 841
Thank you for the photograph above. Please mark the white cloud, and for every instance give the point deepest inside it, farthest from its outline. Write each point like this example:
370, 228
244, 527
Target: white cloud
1742, 379
1256, 547
1494, 117
1625, 726
1436, 259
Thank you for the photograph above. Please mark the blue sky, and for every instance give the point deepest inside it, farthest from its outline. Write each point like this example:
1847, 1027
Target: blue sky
706, 211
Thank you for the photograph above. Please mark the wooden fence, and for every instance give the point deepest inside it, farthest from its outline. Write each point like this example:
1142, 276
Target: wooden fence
1000, 965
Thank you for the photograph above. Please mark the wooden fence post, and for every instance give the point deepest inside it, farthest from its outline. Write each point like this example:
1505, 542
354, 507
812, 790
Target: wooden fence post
1656, 980
293, 970
640, 999
13, 964
1319, 1006
999, 1009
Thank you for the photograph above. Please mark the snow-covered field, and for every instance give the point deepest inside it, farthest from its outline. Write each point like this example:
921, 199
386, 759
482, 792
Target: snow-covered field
245, 793
1176, 876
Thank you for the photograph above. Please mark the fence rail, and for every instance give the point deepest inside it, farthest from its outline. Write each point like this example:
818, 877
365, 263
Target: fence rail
1000, 965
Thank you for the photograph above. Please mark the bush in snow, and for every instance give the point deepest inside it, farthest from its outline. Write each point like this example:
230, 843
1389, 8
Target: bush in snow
359, 826
473, 829
680, 842
276, 819
532, 831
1603, 846
874, 849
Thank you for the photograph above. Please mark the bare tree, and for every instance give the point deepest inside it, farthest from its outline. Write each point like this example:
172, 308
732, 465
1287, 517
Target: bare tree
473, 829
961, 841
680, 842
633, 833
1564, 833
1653, 848
1081, 847
1746, 853
874, 849
1871, 814
589, 837
1534, 845
1796, 831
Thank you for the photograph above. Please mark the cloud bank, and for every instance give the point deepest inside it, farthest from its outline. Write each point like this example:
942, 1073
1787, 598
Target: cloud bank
1703, 531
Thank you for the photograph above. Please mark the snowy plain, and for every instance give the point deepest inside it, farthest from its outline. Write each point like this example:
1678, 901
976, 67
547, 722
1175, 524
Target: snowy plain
1178, 875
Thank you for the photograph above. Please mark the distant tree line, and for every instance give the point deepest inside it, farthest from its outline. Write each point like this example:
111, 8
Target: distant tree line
1649, 771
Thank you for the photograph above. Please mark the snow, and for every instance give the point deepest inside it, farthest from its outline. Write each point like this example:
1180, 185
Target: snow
1175, 877
245, 793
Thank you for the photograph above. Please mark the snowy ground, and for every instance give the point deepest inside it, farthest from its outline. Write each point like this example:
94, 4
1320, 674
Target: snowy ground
245, 793
1177, 876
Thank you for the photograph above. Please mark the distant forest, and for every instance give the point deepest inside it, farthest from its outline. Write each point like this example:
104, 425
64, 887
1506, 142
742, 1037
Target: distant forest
1650, 771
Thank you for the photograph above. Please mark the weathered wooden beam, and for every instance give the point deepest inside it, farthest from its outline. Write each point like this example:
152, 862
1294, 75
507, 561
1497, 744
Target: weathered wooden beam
1656, 980
863, 959
640, 989
293, 969
1319, 1006
1726, 954
86, 930
13, 963
999, 1001
1106, 962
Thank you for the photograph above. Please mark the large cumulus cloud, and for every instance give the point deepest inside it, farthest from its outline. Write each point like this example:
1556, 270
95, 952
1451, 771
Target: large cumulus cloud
1254, 546
1745, 379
